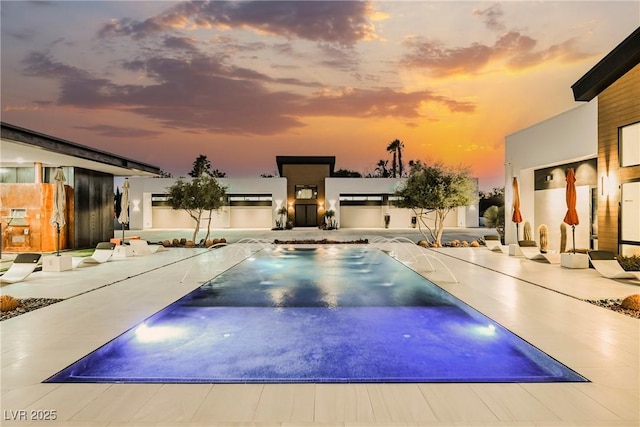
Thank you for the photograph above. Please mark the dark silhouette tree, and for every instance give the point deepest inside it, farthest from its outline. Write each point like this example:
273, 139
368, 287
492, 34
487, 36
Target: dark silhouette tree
381, 170
393, 148
345, 173
399, 148
201, 166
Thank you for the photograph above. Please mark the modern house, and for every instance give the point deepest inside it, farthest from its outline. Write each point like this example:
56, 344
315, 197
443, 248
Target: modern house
27, 166
600, 140
306, 187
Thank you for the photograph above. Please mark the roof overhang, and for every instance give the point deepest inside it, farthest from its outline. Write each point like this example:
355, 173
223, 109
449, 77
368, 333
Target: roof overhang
616, 64
20, 147
306, 160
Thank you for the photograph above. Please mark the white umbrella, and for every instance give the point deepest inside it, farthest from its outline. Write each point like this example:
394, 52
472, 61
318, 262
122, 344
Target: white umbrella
59, 205
123, 218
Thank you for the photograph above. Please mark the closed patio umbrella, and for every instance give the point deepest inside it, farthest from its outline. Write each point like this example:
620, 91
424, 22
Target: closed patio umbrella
123, 218
59, 205
517, 216
571, 217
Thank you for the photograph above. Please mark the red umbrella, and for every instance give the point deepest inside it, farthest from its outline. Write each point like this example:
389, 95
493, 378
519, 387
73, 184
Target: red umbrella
571, 217
517, 216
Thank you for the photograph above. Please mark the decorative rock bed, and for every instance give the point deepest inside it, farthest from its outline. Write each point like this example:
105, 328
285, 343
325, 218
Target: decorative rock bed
319, 242
25, 305
629, 306
184, 243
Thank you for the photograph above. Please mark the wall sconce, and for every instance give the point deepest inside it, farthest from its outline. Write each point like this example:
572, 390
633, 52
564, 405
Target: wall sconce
290, 204
136, 205
278, 204
332, 205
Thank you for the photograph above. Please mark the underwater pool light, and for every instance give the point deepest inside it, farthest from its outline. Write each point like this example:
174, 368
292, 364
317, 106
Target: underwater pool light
486, 330
147, 334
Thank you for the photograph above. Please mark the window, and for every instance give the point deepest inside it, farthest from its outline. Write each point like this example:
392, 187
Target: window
630, 217
306, 192
250, 199
629, 137
160, 200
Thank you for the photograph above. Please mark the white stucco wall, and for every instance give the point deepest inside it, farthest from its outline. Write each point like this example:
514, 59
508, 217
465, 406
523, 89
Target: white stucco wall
373, 216
565, 138
142, 214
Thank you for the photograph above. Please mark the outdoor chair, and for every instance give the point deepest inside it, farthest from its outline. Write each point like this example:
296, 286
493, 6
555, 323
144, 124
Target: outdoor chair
103, 252
607, 265
142, 247
23, 265
492, 242
530, 250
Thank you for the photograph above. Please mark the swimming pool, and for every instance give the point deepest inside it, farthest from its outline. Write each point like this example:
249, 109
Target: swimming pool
328, 314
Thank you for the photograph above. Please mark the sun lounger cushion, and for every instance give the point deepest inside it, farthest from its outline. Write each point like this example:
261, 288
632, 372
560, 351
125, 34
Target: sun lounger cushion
23, 265
530, 250
142, 247
103, 252
607, 265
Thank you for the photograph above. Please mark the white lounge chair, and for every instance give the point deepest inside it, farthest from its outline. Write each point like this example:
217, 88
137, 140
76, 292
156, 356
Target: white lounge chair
142, 247
530, 250
103, 252
492, 242
23, 265
608, 266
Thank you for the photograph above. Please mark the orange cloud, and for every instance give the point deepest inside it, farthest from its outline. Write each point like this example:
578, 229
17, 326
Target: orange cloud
513, 51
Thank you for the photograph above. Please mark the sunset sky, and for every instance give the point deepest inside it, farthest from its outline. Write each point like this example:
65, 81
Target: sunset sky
242, 82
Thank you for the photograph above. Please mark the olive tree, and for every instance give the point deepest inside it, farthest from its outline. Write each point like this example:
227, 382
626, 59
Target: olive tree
432, 191
199, 195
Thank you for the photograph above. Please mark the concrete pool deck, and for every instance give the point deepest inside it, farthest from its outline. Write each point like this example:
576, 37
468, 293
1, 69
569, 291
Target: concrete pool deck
539, 302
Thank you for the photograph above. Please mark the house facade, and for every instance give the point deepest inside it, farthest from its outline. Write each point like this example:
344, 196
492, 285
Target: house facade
306, 187
601, 141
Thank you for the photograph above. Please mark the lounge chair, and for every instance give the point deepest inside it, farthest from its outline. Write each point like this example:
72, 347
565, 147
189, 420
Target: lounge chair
141, 247
23, 265
492, 242
103, 252
530, 250
608, 266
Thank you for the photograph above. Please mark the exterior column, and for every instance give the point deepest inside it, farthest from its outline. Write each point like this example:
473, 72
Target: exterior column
38, 169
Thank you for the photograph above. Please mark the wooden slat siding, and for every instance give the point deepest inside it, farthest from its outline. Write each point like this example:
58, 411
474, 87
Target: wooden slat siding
618, 105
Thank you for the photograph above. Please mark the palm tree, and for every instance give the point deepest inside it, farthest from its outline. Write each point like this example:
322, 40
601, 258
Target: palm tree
399, 147
393, 148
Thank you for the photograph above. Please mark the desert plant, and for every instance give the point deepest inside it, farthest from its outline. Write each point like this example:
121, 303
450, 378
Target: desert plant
282, 212
629, 263
543, 231
8, 303
528, 234
563, 237
631, 302
329, 222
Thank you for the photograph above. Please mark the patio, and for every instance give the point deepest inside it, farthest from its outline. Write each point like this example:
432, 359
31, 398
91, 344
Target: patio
539, 302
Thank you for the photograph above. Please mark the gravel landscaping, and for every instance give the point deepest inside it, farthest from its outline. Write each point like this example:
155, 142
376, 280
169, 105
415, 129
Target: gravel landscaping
26, 305
614, 305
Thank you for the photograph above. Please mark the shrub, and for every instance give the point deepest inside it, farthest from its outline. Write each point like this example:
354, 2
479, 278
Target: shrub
630, 263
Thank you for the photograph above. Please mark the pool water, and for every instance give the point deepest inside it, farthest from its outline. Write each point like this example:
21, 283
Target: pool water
334, 314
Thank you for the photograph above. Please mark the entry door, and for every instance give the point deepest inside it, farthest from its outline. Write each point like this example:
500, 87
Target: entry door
306, 216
